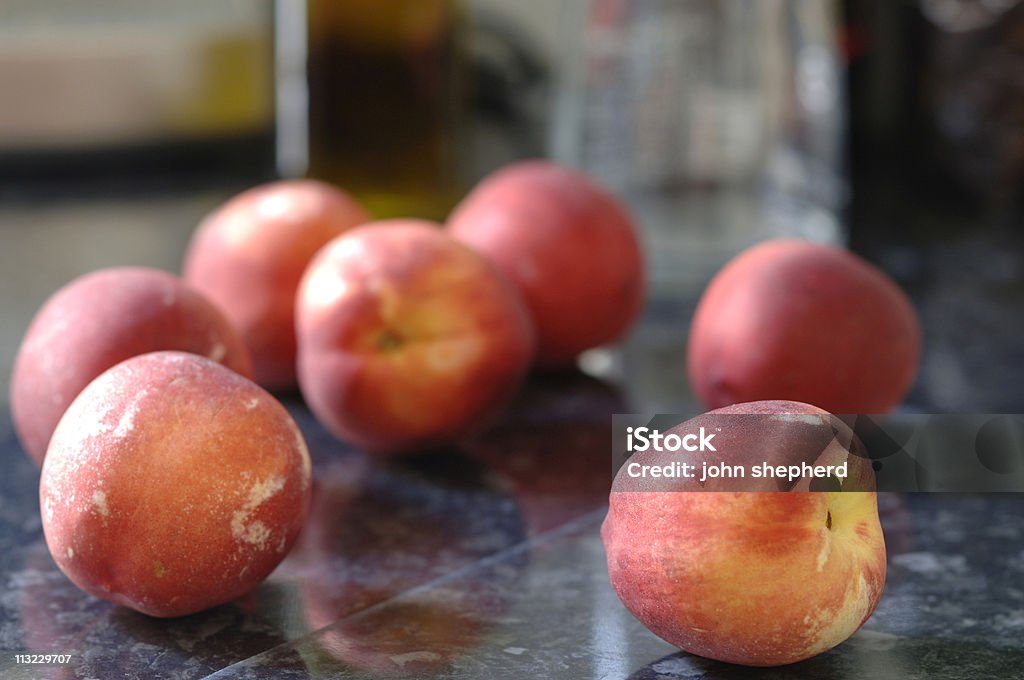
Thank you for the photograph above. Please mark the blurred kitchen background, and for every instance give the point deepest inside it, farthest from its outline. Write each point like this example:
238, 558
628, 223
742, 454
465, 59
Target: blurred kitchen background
895, 127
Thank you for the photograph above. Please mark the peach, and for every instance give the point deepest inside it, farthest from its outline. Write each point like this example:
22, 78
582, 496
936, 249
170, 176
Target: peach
99, 320
791, 319
757, 578
568, 245
407, 338
172, 485
248, 257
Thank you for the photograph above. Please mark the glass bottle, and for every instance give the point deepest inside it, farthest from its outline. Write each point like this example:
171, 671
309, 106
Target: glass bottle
386, 108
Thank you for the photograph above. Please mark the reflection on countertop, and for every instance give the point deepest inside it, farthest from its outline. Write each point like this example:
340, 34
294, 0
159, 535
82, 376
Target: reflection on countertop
485, 561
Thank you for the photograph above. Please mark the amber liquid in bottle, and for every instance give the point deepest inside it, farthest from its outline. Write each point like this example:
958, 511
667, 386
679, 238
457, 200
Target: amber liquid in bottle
386, 114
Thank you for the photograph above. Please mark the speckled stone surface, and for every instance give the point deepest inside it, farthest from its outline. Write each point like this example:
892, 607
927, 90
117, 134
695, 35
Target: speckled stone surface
485, 562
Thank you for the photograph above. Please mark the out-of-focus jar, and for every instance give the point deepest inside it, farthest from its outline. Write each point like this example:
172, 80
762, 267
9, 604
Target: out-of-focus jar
721, 124
387, 113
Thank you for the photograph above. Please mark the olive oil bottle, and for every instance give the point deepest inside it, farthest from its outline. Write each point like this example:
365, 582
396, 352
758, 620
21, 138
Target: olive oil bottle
387, 113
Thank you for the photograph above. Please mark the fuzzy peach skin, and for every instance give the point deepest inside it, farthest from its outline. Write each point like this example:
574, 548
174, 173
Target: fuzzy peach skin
748, 577
407, 338
791, 319
172, 485
99, 320
249, 255
569, 246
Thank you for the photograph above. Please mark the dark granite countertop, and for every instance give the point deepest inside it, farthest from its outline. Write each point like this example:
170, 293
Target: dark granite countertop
485, 561
469, 564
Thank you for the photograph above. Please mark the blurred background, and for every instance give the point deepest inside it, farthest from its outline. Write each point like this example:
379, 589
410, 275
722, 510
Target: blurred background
895, 127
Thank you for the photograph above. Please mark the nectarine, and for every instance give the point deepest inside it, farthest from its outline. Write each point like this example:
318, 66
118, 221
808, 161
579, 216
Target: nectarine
569, 246
407, 338
761, 578
95, 322
248, 257
172, 485
791, 319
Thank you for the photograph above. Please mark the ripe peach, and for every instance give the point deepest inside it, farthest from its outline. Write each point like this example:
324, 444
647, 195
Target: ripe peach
172, 485
248, 257
407, 338
790, 319
99, 320
761, 578
568, 245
